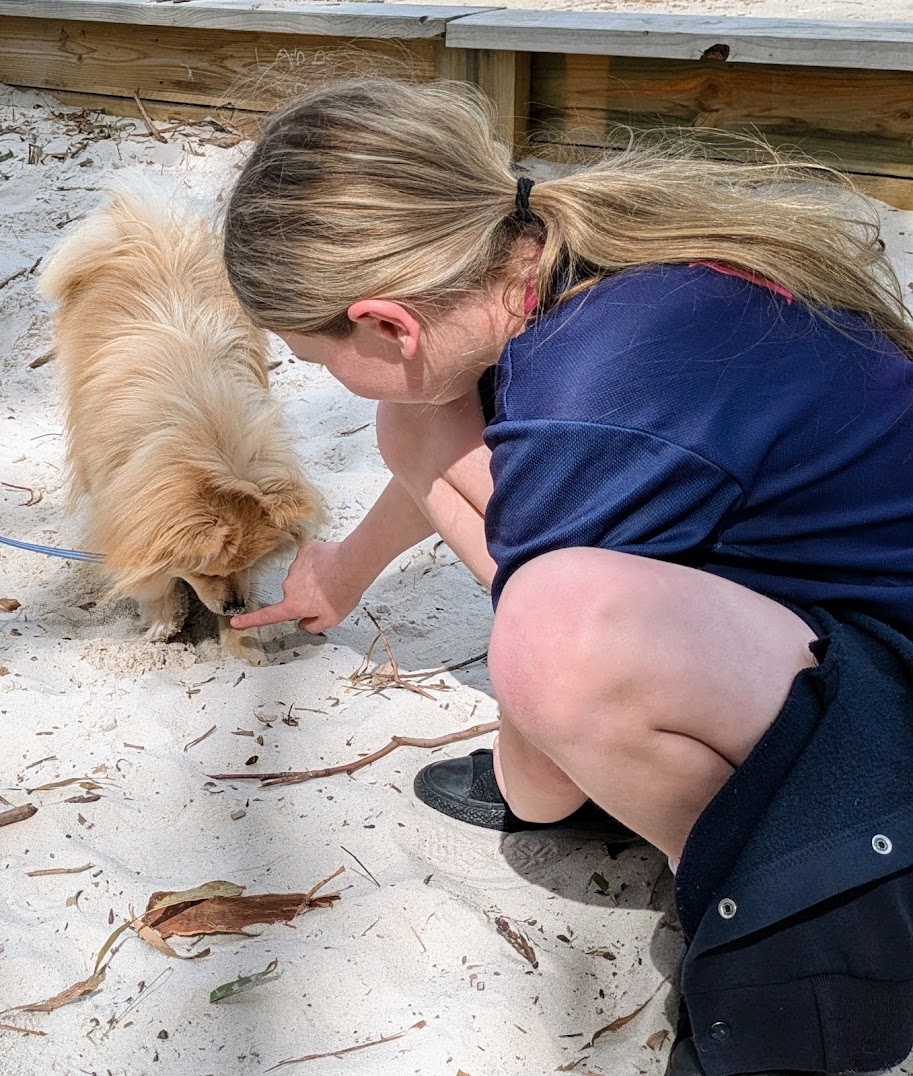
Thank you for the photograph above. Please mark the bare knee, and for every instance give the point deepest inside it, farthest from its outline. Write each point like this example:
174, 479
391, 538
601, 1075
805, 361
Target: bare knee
561, 647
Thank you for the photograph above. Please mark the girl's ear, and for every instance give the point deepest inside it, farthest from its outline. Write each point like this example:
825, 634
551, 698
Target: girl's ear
392, 322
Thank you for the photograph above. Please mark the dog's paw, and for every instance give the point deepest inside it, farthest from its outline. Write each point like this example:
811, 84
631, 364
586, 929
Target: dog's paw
245, 645
161, 631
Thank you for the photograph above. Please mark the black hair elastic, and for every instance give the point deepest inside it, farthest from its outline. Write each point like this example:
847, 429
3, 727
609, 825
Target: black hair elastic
522, 213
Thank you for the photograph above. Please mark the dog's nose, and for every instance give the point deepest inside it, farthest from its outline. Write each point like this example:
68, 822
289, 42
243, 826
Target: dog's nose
234, 606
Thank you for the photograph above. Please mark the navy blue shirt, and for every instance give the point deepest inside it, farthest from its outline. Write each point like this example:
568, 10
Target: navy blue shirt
679, 413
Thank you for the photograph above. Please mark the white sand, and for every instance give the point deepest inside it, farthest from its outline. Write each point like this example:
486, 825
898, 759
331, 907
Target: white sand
78, 687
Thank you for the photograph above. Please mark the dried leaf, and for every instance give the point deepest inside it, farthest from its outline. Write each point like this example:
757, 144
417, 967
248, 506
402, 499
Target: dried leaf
616, 1025
83, 782
516, 939
601, 884
153, 938
90, 797
658, 1038
231, 915
9, 605
243, 982
73, 901
202, 892
72, 993
167, 900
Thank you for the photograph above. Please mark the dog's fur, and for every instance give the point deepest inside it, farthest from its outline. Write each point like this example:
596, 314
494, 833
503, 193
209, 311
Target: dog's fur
172, 436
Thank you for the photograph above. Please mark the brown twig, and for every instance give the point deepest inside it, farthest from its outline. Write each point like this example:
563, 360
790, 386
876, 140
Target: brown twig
24, 1030
295, 777
347, 1049
59, 870
380, 678
17, 814
34, 498
359, 862
147, 119
448, 668
200, 739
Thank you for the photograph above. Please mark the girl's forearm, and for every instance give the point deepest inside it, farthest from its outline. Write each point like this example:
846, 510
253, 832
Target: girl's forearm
393, 524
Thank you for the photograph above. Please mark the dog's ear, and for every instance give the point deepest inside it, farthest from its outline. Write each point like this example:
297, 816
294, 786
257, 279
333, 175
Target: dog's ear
286, 499
195, 542
289, 501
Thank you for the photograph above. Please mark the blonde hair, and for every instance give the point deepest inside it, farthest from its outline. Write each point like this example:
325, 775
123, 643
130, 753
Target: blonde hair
379, 188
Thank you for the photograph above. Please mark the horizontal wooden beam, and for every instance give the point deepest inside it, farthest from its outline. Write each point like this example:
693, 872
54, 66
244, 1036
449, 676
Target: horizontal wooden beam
809, 43
859, 120
373, 20
247, 70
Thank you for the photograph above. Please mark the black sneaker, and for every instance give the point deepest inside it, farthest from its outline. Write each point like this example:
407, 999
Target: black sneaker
466, 789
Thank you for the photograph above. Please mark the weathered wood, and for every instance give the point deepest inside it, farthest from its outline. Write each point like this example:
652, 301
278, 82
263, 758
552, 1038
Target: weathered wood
251, 70
403, 21
856, 119
17, 814
505, 79
806, 42
243, 121
896, 192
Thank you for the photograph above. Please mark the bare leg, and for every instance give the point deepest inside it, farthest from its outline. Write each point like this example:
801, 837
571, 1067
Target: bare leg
644, 683
637, 683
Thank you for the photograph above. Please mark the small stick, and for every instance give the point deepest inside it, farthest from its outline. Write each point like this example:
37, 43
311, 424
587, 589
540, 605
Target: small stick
200, 739
17, 814
24, 1030
394, 664
448, 668
147, 119
292, 777
347, 1049
359, 862
59, 870
34, 497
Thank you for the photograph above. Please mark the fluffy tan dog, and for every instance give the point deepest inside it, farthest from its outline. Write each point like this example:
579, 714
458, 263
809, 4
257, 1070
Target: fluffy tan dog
172, 436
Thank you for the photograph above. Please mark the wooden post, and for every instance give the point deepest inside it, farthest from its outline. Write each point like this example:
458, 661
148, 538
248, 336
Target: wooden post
504, 77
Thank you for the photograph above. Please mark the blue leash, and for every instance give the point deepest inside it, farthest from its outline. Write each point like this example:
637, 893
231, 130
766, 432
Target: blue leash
52, 551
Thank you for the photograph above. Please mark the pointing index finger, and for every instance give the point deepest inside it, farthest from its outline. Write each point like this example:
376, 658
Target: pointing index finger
269, 614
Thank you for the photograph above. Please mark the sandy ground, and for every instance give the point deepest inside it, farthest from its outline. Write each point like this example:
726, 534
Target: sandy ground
82, 699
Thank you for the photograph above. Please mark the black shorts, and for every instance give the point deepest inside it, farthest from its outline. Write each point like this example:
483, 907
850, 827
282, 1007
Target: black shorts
795, 888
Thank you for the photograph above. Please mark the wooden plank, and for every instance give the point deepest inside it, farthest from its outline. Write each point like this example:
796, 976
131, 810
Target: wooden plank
251, 70
896, 192
406, 21
247, 123
853, 117
811, 43
504, 77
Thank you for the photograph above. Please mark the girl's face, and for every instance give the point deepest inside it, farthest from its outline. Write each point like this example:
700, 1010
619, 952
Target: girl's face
390, 355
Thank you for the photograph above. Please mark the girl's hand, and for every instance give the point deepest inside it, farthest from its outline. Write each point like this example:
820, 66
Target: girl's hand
321, 589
